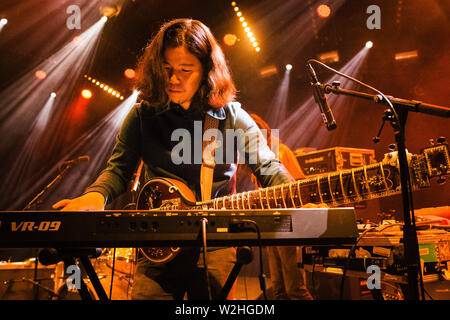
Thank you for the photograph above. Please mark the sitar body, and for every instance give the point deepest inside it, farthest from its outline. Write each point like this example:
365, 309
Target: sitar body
164, 194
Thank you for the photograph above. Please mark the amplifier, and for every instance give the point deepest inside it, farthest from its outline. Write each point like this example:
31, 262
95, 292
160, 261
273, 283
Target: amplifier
333, 159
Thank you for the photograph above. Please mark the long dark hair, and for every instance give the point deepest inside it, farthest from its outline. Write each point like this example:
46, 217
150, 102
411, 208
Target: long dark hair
217, 87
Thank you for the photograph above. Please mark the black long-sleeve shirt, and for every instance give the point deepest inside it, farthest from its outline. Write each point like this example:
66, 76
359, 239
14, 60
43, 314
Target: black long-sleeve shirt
153, 135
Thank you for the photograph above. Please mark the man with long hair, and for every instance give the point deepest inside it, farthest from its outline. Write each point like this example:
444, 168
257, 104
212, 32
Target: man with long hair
182, 78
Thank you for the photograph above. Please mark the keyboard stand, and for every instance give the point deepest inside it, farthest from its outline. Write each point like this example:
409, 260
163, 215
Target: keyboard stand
244, 255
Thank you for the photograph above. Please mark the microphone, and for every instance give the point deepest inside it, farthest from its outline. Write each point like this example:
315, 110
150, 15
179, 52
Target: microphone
77, 160
321, 99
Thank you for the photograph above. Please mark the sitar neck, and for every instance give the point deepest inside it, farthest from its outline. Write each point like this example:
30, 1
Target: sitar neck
333, 189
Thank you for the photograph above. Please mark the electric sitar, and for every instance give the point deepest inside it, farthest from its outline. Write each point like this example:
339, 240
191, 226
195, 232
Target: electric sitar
333, 189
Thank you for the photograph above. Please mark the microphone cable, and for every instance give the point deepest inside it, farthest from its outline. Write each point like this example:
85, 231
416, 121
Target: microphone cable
262, 276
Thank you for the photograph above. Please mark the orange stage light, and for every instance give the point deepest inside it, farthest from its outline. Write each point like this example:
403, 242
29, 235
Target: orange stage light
40, 74
230, 39
129, 73
87, 94
323, 11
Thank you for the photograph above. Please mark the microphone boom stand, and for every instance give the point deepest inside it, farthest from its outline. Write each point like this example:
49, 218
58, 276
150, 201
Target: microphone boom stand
409, 232
35, 202
39, 195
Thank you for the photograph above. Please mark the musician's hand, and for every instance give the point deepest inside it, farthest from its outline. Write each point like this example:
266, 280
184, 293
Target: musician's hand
91, 201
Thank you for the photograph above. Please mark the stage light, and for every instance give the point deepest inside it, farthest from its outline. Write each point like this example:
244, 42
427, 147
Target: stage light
129, 73
406, 55
230, 39
3, 21
40, 74
111, 8
277, 111
29, 101
323, 11
104, 19
53, 94
246, 27
268, 71
329, 57
87, 94
107, 88
369, 44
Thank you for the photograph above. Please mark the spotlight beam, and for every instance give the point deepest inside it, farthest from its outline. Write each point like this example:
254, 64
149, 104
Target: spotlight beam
21, 103
304, 127
22, 168
97, 144
278, 108
292, 23
18, 101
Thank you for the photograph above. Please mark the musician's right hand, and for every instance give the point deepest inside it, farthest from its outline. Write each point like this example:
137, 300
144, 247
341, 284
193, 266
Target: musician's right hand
91, 201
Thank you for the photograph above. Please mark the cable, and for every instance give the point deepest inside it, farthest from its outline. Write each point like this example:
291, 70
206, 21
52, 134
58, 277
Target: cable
350, 254
262, 276
205, 264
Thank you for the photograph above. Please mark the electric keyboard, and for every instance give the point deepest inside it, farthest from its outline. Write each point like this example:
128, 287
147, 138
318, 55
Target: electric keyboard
177, 228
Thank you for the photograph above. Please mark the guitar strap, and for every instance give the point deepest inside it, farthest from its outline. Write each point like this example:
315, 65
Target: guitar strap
208, 151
